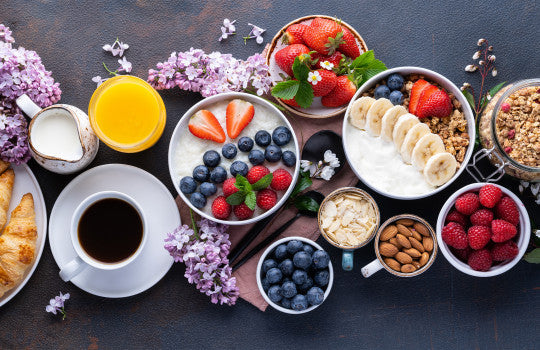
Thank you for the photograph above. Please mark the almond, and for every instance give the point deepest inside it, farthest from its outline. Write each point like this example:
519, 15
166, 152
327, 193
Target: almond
416, 235
405, 222
387, 249
403, 230
413, 253
416, 264
424, 258
408, 268
389, 232
393, 264
395, 242
403, 241
428, 243
403, 258
421, 228
416, 244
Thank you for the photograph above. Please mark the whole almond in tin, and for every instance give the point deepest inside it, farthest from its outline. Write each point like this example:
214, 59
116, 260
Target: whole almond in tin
416, 244
416, 235
421, 228
416, 264
413, 253
428, 243
403, 241
408, 268
405, 222
395, 243
403, 258
387, 249
403, 230
393, 264
424, 258
388, 232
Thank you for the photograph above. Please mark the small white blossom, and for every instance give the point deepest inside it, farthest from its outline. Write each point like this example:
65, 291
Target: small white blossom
327, 173
535, 188
537, 233
227, 29
476, 55
98, 80
314, 77
117, 48
255, 33
481, 41
327, 65
481, 62
471, 68
125, 65
307, 165
491, 58
331, 159
494, 72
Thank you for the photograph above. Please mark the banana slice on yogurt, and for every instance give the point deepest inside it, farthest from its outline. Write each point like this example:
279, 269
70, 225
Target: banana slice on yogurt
389, 120
440, 168
413, 135
427, 146
402, 127
359, 110
375, 114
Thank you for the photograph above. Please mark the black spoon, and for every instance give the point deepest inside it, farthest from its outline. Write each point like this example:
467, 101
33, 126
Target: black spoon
317, 196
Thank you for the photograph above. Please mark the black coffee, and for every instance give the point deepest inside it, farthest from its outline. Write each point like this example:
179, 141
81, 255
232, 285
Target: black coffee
110, 230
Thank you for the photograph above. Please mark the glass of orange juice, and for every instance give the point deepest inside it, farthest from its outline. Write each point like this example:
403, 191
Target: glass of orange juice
127, 114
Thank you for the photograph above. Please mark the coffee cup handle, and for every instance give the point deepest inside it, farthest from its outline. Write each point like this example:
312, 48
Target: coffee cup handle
28, 106
371, 268
347, 259
72, 269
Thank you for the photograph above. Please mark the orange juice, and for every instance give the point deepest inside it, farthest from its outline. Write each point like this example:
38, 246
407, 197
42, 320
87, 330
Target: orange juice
127, 114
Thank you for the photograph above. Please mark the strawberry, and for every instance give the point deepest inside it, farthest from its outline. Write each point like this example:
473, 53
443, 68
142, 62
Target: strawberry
291, 102
456, 216
504, 251
454, 235
425, 95
502, 231
416, 91
229, 187
478, 236
285, 57
480, 260
489, 195
205, 126
239, 114
437, 105
482, 217
507, 210
281, 180
256, 173
266, 199
467, 203
326, 84
242, 211
349, 46
220, 208
341, 94
323, 35
335, 58
293, 34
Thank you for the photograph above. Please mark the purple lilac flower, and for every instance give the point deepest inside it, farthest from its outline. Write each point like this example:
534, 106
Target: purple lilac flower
205, 256
57, 305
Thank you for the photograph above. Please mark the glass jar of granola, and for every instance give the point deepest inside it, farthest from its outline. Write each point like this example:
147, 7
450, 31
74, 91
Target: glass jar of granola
509, 130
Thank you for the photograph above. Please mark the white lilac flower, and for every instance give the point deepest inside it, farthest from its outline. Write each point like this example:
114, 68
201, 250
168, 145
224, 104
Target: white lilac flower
98, 80
327, 172
57, 304
117, 48
327, 65
125, 65
471, 68
331, 159
476, 55
314, 77
255, 33
227, 29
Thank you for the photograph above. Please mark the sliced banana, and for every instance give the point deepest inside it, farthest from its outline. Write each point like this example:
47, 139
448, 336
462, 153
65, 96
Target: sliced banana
375, 114
412, 137
425, 148
402, 127
359, 110
389, 119
440, 168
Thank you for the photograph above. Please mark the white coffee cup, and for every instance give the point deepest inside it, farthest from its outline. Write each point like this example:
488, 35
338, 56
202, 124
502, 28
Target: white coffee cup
83, 259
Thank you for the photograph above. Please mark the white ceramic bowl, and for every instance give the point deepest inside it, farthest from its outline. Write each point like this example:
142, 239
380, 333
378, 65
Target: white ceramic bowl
522, 241
430, 76
259, 282
183, 125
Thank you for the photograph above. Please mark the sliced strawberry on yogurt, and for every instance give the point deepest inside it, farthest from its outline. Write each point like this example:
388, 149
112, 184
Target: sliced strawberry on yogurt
239, 114
204, 125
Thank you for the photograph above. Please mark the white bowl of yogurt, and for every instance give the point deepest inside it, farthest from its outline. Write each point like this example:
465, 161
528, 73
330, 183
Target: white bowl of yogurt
186, 151
378, 164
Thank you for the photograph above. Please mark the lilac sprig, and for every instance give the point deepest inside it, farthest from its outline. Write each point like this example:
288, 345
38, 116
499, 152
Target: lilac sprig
211, 74
57, 305
204, 251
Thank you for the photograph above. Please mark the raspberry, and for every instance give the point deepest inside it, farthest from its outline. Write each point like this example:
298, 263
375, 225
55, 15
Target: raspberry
454, 235
478, 236
256, 173
502, 231
482, 217
507, 210
242, 211
489, 195
281, 180
456, 216
229, 187
480, 260
462, 254
266, 199
220, 208
504, 251
467, 203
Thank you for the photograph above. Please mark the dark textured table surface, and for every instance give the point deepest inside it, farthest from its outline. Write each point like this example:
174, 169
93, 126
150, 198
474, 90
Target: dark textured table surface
443, 308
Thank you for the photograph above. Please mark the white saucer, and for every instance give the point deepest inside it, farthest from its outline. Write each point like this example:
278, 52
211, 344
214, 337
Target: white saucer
162, 215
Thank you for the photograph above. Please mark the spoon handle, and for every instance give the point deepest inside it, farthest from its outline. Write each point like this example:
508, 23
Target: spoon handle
249, 237
266, 241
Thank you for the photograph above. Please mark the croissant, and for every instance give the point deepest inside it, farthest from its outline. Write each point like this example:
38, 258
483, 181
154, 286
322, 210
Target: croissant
3, 166
6, 187
18, 244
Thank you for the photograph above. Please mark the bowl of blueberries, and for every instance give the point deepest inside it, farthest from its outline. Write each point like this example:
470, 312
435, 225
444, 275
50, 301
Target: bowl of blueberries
295, 275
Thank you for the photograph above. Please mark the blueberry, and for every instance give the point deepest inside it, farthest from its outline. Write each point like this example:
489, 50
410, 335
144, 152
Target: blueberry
281, 135
256, 157
188, 185
268, 264
272, 153
321, 278
299, 302
305, 286
315, 296
288, 289
299, 277
229, 151
289, 159
245, 144
207, 189
396, 97
201, 173
211, 159
321, 259
274, 293
281, 252
263, 138
198, 200
381, 91
239, 167
218, 175
308, 249
294, 246
286, 303
274, 275
286, 267
286, 279
265, 284
395, 81
302, 260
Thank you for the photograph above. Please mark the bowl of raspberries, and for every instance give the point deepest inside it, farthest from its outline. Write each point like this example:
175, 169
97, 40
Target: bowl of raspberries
483, 229
295, 275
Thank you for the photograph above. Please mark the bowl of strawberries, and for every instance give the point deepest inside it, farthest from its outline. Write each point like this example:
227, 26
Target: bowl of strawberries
317, 63
483, 229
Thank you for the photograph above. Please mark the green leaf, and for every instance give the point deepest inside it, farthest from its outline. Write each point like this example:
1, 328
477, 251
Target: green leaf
363, 59
304, 96
300, 70
533, 257
306, 203
496, 89
286, 89
242, 183
251, 200
364, 67
470, 98
304, 181
236, 198
263, 183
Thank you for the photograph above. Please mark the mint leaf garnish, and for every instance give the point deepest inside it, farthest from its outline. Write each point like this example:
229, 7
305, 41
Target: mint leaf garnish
236, 198
263, 183
251, 200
